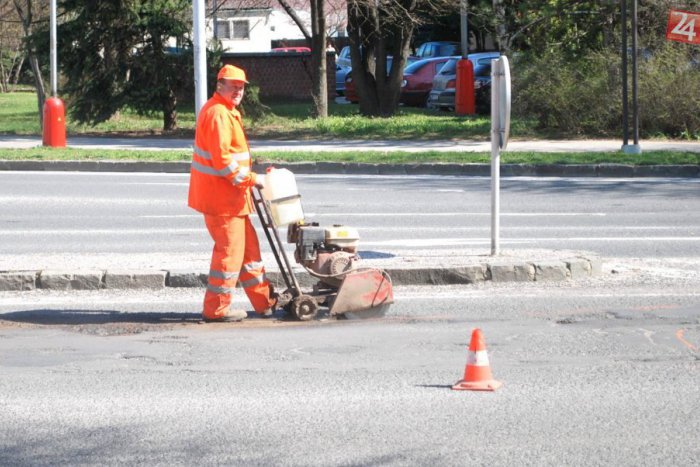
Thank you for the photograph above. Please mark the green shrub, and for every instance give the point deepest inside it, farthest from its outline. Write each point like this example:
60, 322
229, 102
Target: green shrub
585, 96
669, 93
251, 107
581, 97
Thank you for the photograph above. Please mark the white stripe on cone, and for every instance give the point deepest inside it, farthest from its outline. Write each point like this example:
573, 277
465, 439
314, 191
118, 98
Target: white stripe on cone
478, 358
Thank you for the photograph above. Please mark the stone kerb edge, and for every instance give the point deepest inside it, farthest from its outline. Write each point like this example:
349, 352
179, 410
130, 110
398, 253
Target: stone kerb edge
499, 271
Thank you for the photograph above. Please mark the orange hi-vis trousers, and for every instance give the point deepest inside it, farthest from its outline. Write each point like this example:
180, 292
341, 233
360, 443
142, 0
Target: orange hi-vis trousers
236, 256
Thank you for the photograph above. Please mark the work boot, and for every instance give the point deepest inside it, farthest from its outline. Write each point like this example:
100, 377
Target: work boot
230, 316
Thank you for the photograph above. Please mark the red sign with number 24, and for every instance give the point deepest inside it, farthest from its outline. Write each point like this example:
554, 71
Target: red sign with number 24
683, 26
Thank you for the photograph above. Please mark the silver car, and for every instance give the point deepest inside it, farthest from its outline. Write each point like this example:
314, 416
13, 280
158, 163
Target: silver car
442, 96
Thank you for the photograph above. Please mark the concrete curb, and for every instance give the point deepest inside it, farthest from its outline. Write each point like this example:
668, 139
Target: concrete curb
507, 170
501, 271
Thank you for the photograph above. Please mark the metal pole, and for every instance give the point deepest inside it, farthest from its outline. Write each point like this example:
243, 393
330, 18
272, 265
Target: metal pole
200, 54
625, 106
495, 158
626, 147
464, 28
635, 107
54, 56
214, 19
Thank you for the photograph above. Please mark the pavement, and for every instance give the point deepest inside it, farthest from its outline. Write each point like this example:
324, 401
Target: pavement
260, 145
408, 267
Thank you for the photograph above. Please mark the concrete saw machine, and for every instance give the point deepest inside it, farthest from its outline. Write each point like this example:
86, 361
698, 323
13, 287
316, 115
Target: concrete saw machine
329, 254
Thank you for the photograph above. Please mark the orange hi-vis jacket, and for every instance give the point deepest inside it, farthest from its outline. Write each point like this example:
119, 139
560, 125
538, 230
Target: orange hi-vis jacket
220, 175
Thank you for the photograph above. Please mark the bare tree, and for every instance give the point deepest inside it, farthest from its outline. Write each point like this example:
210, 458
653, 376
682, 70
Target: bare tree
29, 13
378, 29
11, 47
319, 90
298, 21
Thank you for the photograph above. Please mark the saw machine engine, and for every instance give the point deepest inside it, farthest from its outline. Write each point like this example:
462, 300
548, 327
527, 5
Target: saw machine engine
328, 253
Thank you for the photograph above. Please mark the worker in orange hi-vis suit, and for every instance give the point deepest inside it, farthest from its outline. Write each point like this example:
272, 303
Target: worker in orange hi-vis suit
220, 188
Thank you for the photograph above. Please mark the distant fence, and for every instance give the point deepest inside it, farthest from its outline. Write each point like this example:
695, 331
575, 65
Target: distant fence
282, 75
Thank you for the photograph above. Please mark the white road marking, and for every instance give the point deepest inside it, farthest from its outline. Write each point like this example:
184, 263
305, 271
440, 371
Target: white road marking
441, 242
590, 180
451, 214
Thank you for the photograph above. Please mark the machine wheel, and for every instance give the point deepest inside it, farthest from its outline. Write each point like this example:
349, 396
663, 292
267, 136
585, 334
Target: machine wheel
304, 308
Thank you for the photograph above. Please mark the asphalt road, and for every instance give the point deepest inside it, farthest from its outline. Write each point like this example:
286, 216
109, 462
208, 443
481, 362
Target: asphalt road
599, 372
56, 218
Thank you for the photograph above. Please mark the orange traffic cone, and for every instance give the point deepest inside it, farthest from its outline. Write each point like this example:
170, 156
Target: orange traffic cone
477, 374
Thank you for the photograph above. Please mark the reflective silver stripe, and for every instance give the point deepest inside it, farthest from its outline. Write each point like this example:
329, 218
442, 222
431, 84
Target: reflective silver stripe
252, 266
222, 274
229, 168
478, 358
219, 290
240, 177
254, 281
204, 169
241, 156
202, 153
211, 171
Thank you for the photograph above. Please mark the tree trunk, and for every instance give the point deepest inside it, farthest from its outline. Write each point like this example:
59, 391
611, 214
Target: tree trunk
4, 78
499, 14
319, 89
18, 70
40, 89
374, 35
170, 112
362, 57
24, 10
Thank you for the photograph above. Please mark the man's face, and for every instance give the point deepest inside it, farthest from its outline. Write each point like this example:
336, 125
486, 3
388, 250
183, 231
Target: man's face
231, 90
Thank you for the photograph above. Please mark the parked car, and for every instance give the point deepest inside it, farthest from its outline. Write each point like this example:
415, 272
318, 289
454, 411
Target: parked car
350, 93
418, 80
285, 50
438, 49
343, 58
442, 95
340, 74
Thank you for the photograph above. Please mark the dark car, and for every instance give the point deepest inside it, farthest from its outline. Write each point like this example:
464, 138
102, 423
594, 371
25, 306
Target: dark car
418, 80
340, 74
442, 95
438, 49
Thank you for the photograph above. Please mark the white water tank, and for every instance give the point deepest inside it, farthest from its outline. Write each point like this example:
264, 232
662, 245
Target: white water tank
282, 197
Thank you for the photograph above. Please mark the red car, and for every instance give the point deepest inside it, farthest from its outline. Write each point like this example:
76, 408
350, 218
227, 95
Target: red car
418, 80
283, 50
416, 84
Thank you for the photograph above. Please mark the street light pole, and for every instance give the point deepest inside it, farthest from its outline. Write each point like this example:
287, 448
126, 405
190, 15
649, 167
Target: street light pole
200, 54
54, 55
464, 28
626, 147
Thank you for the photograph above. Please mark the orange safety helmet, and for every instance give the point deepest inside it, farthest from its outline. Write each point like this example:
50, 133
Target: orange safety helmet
232, 72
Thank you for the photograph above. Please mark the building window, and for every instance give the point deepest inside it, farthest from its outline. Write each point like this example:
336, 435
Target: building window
241, 30
223, 30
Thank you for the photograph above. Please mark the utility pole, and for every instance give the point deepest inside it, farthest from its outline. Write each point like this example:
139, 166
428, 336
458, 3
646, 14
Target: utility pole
626, 147
54, 111
200, 54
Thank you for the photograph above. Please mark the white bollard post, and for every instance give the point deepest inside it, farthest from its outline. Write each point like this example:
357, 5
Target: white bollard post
495, 160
